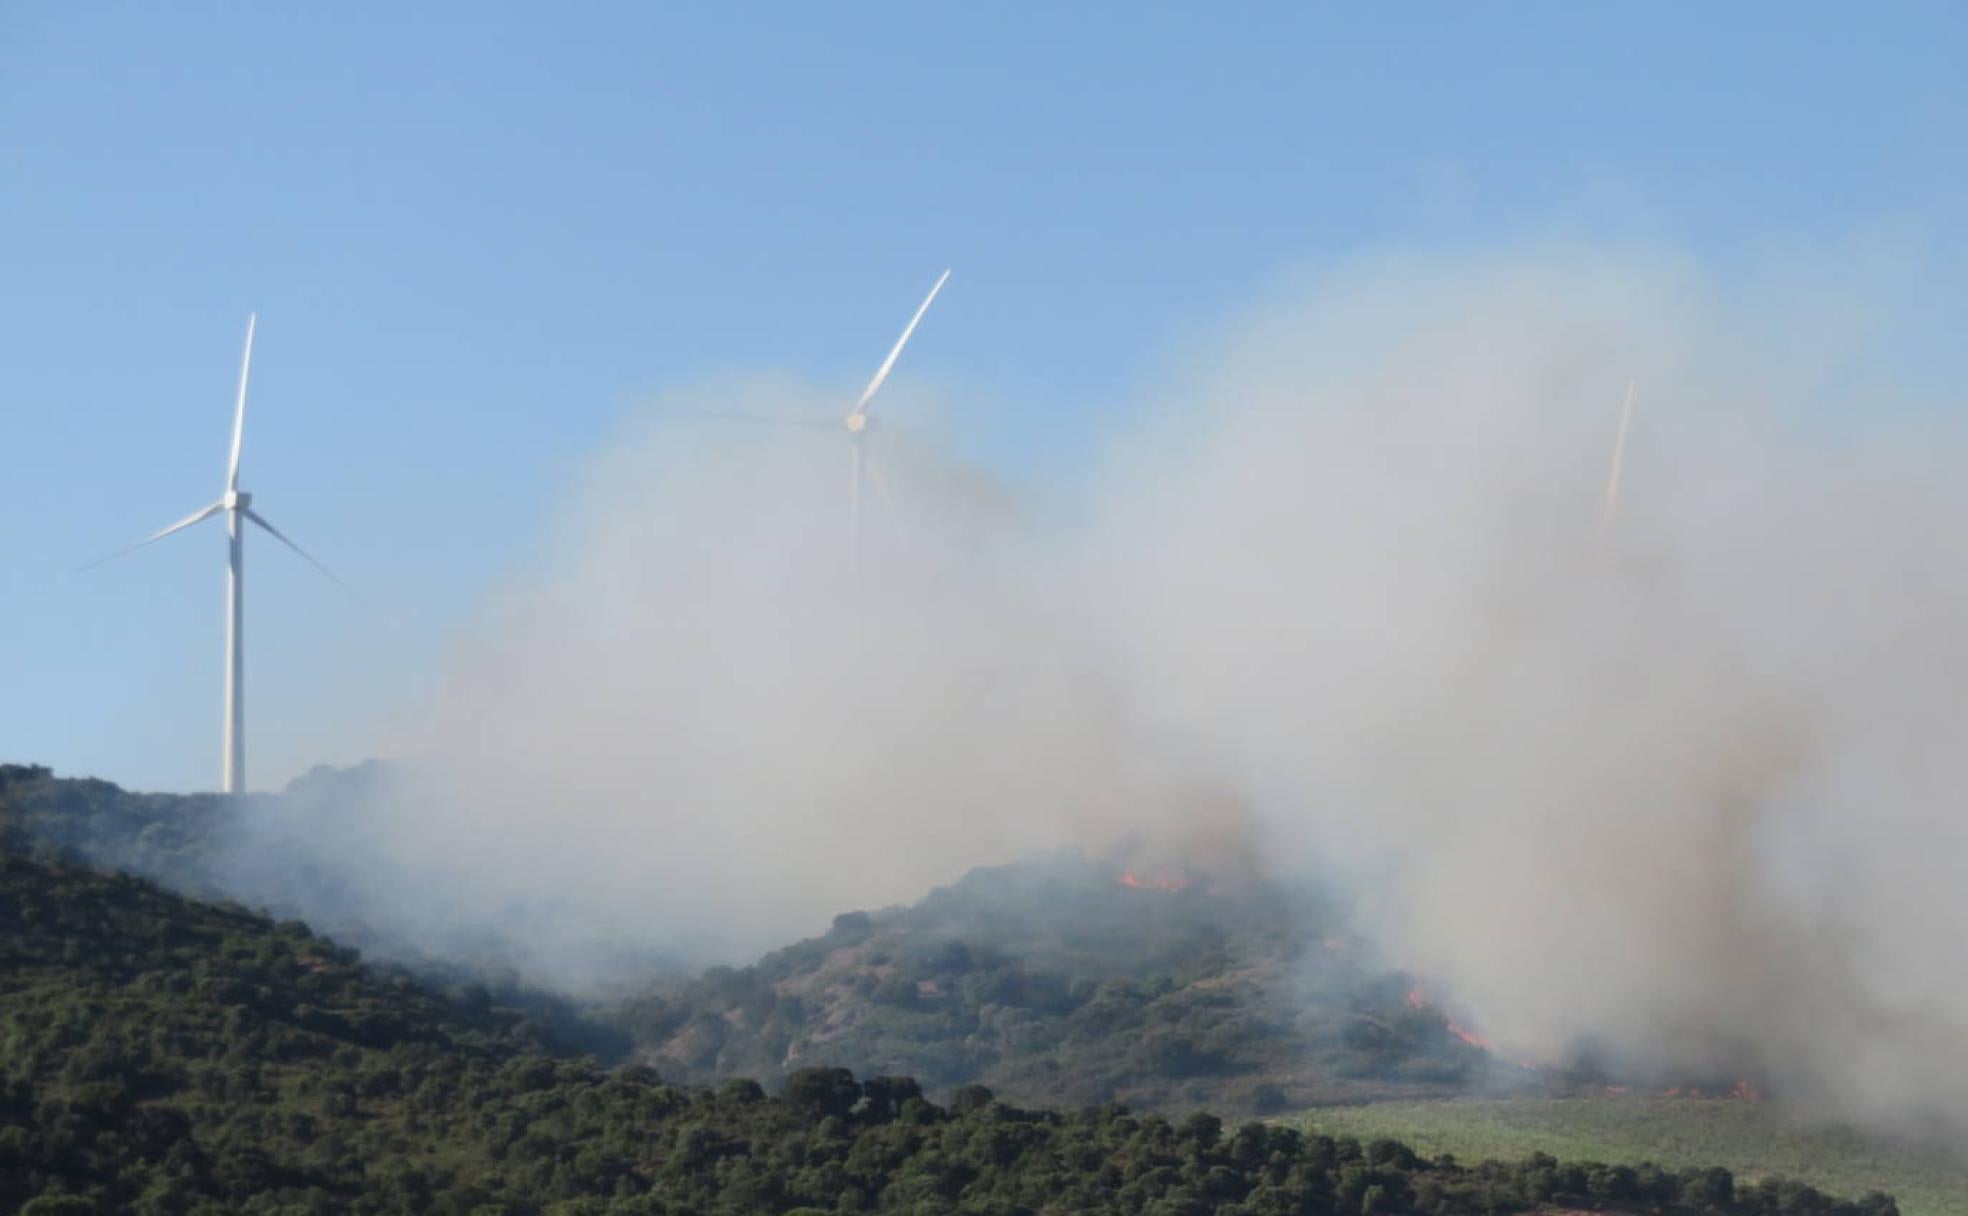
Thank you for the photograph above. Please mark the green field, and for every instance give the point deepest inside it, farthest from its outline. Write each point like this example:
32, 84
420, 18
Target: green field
1752, 1139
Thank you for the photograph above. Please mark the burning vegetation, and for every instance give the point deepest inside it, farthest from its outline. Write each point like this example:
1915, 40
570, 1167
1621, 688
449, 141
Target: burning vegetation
279, 1072
1065, 981
1418, 1002
1058, 980
1154, 882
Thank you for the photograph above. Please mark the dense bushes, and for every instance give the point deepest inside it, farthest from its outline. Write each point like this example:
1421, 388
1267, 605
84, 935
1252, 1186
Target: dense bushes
1049, 981
161, 1056
1054, 983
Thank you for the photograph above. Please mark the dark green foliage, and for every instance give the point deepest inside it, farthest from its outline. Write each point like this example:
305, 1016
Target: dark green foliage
819, 1092
166, 836
163, 1056
193, 844
1049, 981
1052, 982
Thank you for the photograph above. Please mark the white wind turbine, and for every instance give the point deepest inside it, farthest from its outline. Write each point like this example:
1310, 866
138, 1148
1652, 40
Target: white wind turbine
860, 465
238, 506
857, 431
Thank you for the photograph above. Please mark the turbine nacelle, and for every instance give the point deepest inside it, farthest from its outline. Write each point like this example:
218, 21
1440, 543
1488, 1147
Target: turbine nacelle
857, 424
236, 500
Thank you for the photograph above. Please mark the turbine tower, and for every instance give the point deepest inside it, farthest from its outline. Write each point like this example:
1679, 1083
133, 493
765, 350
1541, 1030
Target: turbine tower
238, 508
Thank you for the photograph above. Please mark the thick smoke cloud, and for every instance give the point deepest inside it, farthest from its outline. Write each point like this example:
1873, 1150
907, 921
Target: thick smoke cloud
691, 728
1685, 783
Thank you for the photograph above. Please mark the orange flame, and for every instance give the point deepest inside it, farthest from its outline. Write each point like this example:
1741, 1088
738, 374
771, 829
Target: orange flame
1417, 1001
1468, 1036
1154, 882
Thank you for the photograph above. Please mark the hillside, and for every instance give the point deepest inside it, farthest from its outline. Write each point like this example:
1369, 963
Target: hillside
170, 837
195, 844
1052, 981
163, 1056
1055, 981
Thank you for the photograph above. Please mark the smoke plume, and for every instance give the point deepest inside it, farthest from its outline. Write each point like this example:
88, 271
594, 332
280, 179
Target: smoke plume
1682, 784
1686, 783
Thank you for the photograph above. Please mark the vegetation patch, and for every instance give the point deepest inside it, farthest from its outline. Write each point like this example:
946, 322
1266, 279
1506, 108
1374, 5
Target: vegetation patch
1753, 1139
1058, 982
173, 1058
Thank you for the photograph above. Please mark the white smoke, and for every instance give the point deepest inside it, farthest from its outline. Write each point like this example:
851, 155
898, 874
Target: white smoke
697, 723
1689, 784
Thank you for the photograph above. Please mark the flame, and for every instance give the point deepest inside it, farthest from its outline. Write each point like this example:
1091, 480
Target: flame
1417, 1001
1468, 1036
1154, 882
1745, 1091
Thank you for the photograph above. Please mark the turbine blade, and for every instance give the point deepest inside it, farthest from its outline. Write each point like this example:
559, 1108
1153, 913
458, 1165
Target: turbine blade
1611, 503
734, 416
239, 410
888, 504
203, 513
278, 535
874, 386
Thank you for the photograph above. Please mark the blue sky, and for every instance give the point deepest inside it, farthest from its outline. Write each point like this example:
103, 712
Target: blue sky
479, 234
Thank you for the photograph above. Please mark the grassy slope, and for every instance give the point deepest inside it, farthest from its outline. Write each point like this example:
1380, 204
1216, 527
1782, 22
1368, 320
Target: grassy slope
1750, 1139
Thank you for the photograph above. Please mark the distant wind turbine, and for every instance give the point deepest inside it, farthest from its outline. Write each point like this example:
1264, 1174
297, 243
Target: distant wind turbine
238, 507
861, 466
857, 432
1611, 504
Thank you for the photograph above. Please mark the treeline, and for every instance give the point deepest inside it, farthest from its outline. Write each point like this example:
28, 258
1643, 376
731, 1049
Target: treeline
170, 837
168, 1057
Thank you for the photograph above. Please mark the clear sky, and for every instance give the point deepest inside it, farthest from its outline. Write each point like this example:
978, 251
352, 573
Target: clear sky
479, 234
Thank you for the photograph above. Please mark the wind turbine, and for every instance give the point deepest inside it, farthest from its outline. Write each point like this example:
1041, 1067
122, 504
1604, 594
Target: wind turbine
238, 508
861, 466
1611, 503
857, 433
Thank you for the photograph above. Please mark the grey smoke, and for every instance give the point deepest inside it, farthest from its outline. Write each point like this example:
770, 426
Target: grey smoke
1691, 787
692, 718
